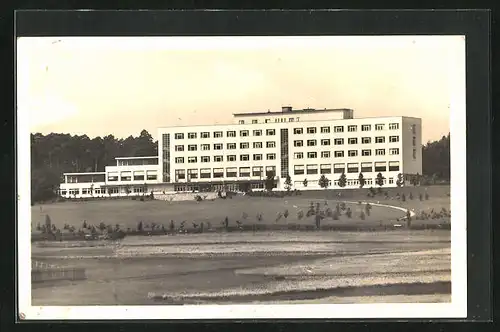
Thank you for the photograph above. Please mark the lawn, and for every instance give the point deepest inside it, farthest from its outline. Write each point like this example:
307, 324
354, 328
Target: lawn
128, 213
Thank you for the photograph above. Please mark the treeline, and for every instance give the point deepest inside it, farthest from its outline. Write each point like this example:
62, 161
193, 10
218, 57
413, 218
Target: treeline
54, 154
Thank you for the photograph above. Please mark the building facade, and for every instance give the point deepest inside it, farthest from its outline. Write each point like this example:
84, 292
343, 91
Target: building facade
304, 144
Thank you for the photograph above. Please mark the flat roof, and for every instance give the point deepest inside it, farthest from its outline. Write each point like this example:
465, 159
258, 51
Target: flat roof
306, 110
149, 157
86, 173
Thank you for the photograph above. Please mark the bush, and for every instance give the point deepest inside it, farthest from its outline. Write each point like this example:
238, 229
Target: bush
348, 213
410, 196
420, 197
403, 197
362, 215
142, 199
426, 196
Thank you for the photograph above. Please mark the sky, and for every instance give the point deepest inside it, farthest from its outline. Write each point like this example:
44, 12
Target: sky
121, 85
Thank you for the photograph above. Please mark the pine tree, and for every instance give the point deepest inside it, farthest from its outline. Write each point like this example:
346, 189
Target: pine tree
288, 182
324, 182
304, 183
380, 180
361, 180
342, 180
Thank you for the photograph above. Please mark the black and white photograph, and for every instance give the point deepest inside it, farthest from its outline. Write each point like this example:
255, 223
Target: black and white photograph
249, 177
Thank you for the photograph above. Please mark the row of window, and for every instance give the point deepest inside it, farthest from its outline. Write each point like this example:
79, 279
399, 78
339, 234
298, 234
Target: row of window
229, 172
297, 155
98, 191
364, 167
296, 143
296, 131
310, 169
243, 157
351, 140
349, 182
149, 177
229, 146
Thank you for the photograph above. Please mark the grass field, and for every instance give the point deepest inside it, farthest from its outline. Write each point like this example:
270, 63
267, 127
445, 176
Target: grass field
128, 213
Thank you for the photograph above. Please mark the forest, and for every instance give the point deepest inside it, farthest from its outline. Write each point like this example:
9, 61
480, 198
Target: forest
54, 154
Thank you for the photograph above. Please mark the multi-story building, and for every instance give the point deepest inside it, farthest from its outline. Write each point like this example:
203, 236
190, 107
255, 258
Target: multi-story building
304, 144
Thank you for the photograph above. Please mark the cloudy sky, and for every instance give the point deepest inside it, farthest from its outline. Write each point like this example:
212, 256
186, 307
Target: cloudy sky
99, 86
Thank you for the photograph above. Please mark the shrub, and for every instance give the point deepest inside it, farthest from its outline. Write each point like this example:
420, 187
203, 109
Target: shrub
286, 214
348, 213
362, 215
426, 196
403, 197
142, 199
300, 215
335, 215
420, 196
410, 196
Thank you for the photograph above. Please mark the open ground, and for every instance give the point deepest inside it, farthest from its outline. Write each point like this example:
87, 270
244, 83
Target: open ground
261, 267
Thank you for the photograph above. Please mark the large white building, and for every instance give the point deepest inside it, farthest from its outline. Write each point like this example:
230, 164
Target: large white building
304, 144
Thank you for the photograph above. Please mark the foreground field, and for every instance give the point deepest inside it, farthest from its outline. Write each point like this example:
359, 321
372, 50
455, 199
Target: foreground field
128, 213
244, 268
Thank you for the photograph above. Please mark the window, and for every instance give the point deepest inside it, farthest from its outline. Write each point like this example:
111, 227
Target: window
244, 133
352, 153
298, 131
257, 132
244, 157
231, 133
353, 140
338, 168
205, 147
218, 146
379, 127
256, 156
180, 174
366, 127
270, 132
391, 180
218, 172
291, 119
255, 121
257, 145
311, 142
231, 172
325, 130
192, 147
366, 153
393, 151
205, 134
298, 155
380, 166
352, 128
270, 144
179, 136
179, 160
298, 169
325, 142
218, 159
241, 122
312, 155
257, 171
271, 170
393, 166
338, 129
192, 173
393, 126
192, 160
380, 152
414, 141
298, 143
231, 146
205, 173
414, 153
267, 120
244, 171
217, 134
393, 139
311, 130
339, 154
338, 141
312, 169
380, 139
112, 176
271, 156
366, 140
325, 154
353, 168
366, 168
413, 129
205, 159
179, 148
231, 157
191, 135
325, 169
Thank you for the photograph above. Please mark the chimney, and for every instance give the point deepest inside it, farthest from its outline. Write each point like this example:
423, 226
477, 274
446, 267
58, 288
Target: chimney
286, 109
